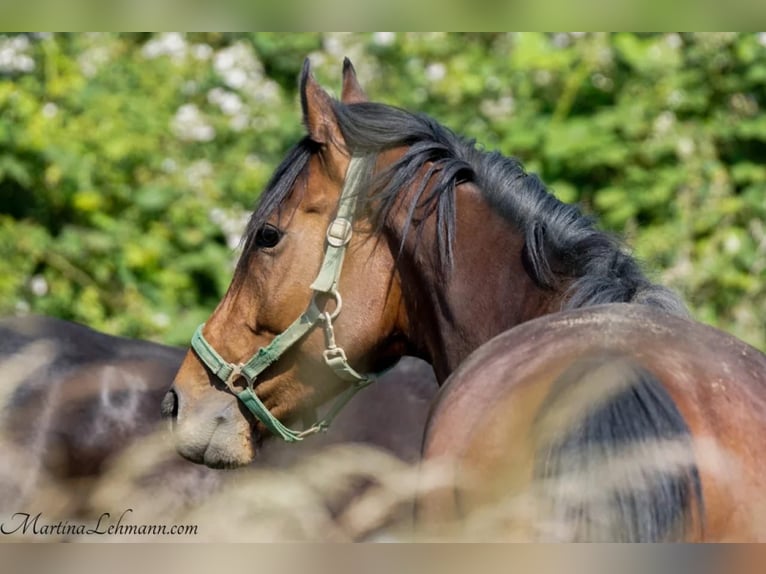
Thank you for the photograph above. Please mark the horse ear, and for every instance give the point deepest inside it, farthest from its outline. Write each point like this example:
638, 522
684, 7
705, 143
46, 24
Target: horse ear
352, 92
318, 114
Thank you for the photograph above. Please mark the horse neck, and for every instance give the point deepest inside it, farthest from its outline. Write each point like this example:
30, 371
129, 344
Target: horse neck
487, 290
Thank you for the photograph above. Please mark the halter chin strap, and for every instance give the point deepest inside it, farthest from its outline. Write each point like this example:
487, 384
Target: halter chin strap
326, 283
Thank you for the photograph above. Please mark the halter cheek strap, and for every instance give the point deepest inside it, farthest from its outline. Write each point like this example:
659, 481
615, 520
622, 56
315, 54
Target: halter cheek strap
326, 283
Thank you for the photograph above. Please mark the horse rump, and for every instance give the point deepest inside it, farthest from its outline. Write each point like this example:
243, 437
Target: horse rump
614, 455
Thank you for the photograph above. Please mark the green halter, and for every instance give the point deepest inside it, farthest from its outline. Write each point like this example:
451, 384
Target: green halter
326, 283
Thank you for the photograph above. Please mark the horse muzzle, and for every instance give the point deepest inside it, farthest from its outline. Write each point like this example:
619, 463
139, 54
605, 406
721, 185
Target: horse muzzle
215, 434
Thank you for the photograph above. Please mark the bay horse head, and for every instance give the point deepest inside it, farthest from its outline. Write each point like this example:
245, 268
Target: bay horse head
314, 292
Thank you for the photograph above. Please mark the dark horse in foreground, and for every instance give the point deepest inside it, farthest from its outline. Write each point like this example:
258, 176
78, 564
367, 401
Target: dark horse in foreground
566, 372
74, 401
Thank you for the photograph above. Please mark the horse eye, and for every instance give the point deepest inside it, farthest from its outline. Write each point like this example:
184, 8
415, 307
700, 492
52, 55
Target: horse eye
267, 236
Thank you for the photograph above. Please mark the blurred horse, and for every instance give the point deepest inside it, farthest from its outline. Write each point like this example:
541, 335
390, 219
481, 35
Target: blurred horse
74, 401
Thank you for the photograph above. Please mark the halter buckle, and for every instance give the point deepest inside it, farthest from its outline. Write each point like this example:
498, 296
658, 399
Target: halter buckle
339, 232
236, 372
334, 354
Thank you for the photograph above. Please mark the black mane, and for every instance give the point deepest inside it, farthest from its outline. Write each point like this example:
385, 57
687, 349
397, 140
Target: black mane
562, 246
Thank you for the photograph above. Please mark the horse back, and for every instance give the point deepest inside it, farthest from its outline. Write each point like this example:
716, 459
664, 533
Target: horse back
524, 408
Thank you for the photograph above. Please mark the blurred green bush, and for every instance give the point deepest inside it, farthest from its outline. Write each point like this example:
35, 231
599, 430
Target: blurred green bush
129, 162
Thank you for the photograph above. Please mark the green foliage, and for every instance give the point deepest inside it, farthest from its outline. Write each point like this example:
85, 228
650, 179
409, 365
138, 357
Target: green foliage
128, 163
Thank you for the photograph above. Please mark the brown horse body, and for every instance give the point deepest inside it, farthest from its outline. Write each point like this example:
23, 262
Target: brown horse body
493, 400
457, 251
77, 400
73, 399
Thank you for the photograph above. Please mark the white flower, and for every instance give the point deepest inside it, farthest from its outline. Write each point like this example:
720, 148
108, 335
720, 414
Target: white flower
266, 92
91, 60
189, 125
13, 55
436, 72
562, 40
239, 67
384, 38
229, 102
239, 122
664, 122
50, 110
685, 147
675, 98
732, 244
224, 60
201, 52
602, 82
170, 44
198, 171
242, 71
333, 45
674, 41
236, 78
497, 109
38, 285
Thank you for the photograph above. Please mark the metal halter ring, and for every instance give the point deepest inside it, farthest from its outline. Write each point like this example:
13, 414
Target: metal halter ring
236, 373
338, 304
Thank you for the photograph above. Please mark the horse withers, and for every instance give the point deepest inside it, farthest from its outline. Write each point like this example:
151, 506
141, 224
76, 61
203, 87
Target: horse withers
383, 233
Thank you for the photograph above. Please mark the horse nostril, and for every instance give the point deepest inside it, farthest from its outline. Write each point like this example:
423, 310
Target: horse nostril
169, 405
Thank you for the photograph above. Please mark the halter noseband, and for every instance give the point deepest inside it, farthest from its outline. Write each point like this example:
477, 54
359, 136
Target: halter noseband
326, 283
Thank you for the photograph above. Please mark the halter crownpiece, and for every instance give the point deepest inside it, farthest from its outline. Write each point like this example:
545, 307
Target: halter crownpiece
326, 283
